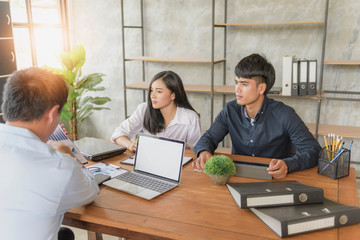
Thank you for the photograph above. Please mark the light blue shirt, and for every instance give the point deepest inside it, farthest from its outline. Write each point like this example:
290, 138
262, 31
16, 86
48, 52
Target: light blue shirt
38, 185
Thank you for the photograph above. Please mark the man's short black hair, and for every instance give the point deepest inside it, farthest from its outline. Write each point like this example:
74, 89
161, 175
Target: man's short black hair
258, 68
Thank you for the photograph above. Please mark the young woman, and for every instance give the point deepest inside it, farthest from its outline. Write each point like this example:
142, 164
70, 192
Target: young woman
167, 113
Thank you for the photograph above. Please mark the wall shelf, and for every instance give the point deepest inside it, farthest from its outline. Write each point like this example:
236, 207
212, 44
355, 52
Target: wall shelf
218, 89
342, 62
188, 87
344, 131
267, 24
177, 60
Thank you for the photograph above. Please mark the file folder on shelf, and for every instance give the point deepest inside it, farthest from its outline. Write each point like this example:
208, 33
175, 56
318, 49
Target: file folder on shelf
286, 76
303, 83
312, 76
295, 78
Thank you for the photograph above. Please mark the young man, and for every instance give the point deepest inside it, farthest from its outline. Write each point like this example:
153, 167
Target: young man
40, 181
259, 126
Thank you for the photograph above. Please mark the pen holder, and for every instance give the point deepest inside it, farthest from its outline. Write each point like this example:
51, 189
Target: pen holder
334, 164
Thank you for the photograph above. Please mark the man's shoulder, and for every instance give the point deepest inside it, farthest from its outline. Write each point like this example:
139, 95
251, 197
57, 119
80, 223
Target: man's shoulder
232, 105
278, 107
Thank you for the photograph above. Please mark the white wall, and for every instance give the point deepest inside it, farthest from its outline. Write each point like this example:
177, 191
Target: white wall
182, 28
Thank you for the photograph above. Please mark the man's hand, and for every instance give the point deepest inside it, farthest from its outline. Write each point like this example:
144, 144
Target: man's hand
65, 131
278, 168
199, 163
63, 149
60, 147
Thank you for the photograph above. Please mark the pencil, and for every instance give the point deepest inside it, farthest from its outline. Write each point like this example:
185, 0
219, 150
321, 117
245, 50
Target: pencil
327, 148
342, 165
333, 144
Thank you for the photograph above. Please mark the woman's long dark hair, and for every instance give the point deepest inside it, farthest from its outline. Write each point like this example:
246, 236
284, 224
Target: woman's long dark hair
153, 119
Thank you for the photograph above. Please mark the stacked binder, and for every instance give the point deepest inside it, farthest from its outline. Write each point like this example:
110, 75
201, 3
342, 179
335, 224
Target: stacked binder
299, 76
290, 208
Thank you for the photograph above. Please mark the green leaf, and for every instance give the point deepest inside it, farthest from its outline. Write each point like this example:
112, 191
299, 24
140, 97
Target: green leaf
69, 77
90, 81
96, 89
77, 56
100, 108
66, 61
100, 100
73, 95
65, 114
84, 101
85, 108
82, 118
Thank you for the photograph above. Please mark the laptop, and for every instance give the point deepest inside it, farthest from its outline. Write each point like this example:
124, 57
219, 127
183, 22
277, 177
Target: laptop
157, 168
131, 160
96, 149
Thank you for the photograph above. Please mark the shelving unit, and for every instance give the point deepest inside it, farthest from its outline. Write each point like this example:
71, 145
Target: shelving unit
143, 85
345, 131
318, 98
212, 89
7, 50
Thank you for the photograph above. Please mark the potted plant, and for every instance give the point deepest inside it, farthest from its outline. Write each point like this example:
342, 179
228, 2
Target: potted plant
220, 168
79, 104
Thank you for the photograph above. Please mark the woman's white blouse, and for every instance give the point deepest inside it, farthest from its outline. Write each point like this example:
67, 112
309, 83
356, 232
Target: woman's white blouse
185, 126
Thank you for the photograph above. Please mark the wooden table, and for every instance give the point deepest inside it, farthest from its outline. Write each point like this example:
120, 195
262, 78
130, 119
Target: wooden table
198, 209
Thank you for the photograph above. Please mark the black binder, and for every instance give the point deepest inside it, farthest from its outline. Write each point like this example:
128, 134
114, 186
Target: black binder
303, 80
293, 220
295, 78
268, 194
312, 76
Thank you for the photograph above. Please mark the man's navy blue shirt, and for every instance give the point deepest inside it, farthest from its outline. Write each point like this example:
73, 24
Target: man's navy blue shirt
276, 130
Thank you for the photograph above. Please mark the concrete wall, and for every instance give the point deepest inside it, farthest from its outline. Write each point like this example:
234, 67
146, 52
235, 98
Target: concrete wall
182, 28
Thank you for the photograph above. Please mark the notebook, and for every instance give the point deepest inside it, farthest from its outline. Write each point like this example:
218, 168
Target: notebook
96, 149
157, 168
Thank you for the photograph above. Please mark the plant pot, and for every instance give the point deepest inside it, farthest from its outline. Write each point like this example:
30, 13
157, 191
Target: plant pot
220, 179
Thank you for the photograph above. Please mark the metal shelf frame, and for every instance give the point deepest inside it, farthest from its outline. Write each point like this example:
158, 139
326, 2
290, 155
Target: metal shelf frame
211, 89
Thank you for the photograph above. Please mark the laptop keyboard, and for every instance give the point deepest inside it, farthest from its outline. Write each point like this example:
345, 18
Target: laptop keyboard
146, 182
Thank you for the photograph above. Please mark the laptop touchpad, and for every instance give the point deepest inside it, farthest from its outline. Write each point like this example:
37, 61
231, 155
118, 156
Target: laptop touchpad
124, 186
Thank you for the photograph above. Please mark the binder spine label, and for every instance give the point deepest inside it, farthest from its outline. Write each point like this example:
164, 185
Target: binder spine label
308, 226
270, 200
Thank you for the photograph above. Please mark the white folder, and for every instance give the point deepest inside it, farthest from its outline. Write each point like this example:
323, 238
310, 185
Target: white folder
287, 75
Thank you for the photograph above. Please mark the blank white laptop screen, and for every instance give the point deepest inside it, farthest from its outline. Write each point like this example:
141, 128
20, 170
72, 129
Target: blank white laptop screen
159, 156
